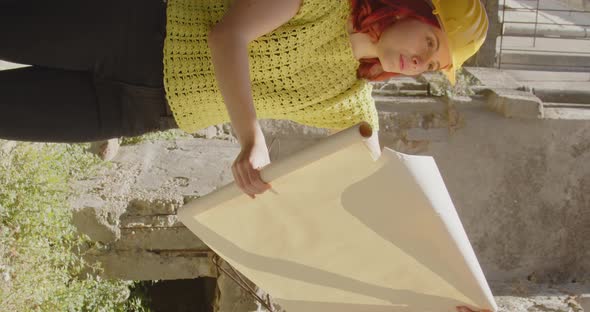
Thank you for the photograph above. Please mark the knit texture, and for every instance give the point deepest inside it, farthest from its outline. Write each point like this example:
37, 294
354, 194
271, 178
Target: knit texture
304, 71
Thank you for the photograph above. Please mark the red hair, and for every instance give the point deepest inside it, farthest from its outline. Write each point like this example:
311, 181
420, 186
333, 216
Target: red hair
374, 16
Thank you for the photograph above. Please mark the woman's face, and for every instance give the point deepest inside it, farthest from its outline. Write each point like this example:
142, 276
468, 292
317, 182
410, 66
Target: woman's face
411, 47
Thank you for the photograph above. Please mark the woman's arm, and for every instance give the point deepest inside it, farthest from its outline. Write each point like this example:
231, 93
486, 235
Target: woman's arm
245, 21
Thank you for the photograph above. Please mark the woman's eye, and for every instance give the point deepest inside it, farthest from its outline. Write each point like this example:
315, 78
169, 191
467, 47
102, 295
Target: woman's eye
430, 42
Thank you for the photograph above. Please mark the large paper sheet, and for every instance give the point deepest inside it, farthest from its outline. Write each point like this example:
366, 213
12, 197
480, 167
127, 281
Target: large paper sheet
347, 233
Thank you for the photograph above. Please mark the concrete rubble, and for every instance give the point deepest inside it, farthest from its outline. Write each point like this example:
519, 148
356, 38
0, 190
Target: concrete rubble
515, 103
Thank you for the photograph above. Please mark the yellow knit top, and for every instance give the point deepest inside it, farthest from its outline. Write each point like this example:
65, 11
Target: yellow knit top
303, 71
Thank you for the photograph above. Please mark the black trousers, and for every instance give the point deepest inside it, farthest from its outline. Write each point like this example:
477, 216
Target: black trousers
97, 69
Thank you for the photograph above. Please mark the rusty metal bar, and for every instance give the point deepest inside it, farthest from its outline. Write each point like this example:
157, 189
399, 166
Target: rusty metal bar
548, 51
536, 24
235, 276
542, 23
543, 10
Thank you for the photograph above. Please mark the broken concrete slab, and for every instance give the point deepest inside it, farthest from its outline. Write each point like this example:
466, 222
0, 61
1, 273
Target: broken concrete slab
515, 104
157, 206
166, 238
92, 217
154, 221
141, 265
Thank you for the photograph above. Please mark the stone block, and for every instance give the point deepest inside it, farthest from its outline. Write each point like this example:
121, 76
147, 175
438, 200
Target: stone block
156, 221
153, 206
514, 103
91, 218
144, 265
175, 238
154, 177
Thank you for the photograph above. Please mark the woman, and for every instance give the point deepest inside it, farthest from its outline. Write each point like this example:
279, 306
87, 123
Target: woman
119, 68
98, 71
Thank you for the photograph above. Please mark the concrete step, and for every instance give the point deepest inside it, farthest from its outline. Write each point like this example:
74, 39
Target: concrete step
578, 97
545, 45
551, 80
551, 77
569, 111
549, 11
566, 105
547, 31
552, 54
547, 61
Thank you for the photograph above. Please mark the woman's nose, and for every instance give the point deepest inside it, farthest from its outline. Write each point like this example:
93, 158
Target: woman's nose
417, 62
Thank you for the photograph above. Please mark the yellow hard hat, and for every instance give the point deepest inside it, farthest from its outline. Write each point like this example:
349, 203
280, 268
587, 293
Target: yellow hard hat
465, 23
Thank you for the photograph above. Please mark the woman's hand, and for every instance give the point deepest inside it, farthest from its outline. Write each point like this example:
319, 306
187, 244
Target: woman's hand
246, 168
466, 309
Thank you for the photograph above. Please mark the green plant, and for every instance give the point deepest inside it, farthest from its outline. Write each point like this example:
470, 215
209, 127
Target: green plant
41, 253
153, 136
